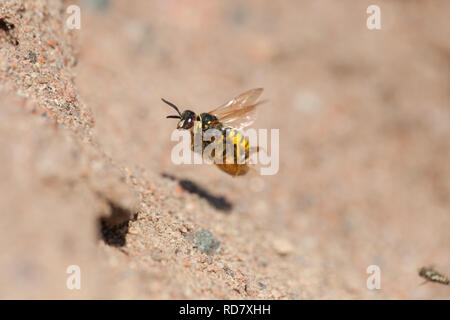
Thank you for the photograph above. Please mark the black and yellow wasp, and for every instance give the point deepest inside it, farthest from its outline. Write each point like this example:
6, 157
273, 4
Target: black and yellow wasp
228, 118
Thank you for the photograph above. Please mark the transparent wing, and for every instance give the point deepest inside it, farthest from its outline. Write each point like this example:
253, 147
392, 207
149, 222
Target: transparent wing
240, 111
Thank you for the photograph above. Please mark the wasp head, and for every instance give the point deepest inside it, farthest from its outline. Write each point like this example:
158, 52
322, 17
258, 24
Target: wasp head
187, 118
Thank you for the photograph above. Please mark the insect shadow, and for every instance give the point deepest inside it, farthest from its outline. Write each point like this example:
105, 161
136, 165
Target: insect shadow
218, 202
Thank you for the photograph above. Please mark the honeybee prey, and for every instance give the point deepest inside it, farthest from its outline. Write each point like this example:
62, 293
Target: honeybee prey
431, 275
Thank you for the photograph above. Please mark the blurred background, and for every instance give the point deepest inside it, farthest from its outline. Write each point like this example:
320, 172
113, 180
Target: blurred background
364, 119
364, 116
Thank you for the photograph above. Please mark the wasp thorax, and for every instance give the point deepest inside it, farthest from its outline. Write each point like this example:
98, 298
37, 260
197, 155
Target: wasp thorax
187, 120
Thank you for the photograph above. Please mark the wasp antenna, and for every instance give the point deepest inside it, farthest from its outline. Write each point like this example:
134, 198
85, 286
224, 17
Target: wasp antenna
173, 117
172, 105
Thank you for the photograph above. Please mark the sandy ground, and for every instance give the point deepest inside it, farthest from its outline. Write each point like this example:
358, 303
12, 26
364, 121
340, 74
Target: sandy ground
86, 176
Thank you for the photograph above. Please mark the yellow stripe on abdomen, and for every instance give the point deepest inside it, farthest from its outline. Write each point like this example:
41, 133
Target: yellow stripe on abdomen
197, 127
240, 141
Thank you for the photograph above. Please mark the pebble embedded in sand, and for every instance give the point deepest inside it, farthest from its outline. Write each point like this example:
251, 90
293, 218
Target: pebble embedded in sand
204, 241
157, 254
276, 294
283, 247
31, 56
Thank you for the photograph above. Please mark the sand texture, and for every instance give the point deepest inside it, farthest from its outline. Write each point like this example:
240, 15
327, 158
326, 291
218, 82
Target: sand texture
86, 176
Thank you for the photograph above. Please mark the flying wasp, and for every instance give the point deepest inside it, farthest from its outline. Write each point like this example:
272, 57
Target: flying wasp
431, 275
229, 119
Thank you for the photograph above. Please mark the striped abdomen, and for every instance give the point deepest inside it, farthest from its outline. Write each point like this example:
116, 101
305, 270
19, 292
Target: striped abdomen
235, 160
